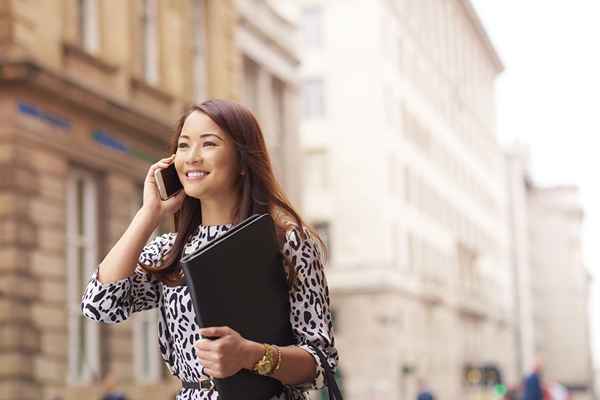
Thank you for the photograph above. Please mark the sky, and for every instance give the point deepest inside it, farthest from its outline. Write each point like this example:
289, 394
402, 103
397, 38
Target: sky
549, 98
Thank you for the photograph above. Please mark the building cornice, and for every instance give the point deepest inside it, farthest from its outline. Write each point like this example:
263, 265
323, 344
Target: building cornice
30, 73
482, 33
253, 21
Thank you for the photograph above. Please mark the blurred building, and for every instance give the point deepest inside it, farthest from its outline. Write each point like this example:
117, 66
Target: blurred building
405, 179
518, 185
269, 84
89, 95
560, 288
553, 283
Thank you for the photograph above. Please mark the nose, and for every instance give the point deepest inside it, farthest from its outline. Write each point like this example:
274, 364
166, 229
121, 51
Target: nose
194, 156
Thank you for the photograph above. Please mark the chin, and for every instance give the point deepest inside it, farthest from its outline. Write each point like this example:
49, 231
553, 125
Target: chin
191, 193
196, 194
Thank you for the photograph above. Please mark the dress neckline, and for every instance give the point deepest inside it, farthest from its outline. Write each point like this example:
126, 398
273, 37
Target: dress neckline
213, 226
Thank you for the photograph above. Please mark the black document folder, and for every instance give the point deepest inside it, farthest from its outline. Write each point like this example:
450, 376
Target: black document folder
238, 280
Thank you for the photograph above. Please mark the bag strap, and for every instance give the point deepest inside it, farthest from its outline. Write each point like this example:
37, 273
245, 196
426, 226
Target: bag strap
332, 387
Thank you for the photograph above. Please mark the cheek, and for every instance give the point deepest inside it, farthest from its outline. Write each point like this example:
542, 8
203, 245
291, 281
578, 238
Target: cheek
226, 164
178, 166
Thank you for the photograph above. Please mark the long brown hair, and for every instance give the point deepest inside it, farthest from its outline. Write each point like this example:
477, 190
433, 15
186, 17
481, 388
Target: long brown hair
259, 192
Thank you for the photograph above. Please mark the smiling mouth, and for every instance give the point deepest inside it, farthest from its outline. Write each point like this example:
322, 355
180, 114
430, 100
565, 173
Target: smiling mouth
196, 175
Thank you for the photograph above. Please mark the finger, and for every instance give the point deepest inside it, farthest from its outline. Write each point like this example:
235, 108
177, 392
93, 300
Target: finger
175, 200
168, 158
206, 345
207, 355
211, 372
216, 331
208, 363
163, 162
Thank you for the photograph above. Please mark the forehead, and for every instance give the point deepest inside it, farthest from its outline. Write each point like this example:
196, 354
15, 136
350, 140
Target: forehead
198, 123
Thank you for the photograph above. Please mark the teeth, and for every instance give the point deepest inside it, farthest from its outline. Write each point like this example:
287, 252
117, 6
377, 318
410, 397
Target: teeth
196, 173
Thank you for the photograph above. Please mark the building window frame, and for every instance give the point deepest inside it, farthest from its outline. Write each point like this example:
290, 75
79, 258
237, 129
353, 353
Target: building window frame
147, 359
88, 25
313, 97
312, 26
316, 174
82, 260
200, 49
150, 41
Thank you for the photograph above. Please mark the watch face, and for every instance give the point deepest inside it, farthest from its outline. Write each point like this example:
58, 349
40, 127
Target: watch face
265, 367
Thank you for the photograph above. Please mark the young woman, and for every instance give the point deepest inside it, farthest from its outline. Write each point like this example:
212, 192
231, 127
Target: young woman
222, 161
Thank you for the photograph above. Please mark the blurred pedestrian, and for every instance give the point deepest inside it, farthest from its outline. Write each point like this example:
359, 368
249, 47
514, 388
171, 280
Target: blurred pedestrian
109, 388
425, 392
513, 393
532, 386
558, 391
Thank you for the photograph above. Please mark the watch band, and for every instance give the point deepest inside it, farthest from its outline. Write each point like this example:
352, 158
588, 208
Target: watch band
278, 359
266, 364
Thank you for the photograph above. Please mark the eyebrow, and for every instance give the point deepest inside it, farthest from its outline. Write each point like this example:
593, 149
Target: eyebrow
202, 136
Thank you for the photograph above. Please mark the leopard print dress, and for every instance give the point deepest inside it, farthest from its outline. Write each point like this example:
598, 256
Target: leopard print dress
310, 315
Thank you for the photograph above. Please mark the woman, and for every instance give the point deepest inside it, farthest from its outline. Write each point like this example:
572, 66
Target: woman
222, 161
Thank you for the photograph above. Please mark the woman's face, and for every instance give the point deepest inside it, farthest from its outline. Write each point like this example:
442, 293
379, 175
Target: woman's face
206, 159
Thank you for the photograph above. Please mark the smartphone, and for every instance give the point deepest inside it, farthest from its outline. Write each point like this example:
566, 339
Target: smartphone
167, 181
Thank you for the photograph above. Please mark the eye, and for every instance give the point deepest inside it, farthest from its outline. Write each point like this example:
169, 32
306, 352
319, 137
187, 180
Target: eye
182, 144
209, 143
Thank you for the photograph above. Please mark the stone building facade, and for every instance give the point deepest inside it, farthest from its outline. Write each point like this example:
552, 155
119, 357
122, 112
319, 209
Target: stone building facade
404, 176
551, 280
89, 94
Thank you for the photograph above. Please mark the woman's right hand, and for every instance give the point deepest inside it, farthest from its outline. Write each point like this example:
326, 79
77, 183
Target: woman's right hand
152, 203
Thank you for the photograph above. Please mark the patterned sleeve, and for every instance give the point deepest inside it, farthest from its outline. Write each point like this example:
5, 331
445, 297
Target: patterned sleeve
309, 304
113, 302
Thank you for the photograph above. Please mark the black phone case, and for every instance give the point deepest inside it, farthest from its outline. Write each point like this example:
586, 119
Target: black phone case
171, 180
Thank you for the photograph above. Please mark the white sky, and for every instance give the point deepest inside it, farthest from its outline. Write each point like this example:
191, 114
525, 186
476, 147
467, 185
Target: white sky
548, 97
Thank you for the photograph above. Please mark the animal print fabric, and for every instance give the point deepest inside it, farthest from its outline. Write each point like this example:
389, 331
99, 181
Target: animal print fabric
310, 315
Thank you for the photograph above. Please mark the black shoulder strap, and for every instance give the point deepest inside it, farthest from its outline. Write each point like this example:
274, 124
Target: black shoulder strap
332, 387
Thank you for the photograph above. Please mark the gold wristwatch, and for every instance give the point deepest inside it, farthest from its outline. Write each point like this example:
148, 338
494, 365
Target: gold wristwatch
266, 364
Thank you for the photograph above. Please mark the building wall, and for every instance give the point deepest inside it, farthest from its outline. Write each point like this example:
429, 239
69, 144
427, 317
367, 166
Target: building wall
65, 108
48, 32
411, 184
560, 287
518, 181
269, 73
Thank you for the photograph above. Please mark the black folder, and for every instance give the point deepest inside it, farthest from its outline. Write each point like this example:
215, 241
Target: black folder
238, 280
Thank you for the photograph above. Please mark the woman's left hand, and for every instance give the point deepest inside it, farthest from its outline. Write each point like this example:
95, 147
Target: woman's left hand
224, 356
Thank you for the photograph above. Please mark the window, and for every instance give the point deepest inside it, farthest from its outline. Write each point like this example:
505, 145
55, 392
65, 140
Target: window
313, 98
393, 178
388, 106
250, 84
82, 259
467, 259
149, 34
89, 34
199, 50
311, 25
279, 127
147, 359
394, 244
316, 172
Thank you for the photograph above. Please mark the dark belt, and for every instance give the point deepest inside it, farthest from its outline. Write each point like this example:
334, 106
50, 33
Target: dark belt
203, 384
